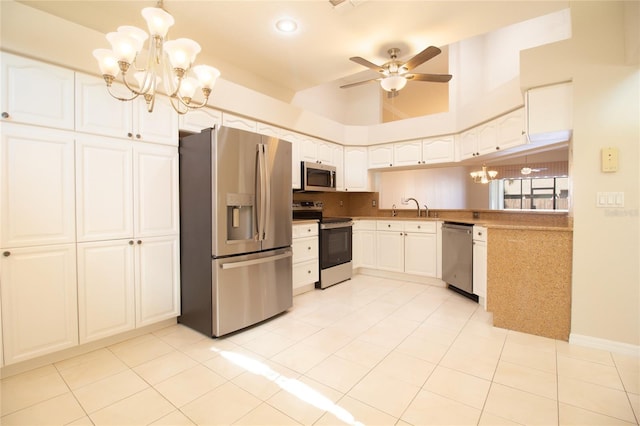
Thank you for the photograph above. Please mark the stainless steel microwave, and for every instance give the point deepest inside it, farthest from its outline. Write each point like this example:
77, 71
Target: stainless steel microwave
318, 177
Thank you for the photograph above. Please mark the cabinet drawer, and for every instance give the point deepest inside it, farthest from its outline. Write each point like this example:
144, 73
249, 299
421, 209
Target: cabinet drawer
479, 233
305, 249
305, 273
390, 225
305, 230
364, 225
421, 227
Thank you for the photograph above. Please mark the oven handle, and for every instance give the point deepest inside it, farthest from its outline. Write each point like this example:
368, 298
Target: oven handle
336, 225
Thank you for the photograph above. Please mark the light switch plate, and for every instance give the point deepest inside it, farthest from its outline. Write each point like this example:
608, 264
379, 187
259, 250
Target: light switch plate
610, 199
609, 159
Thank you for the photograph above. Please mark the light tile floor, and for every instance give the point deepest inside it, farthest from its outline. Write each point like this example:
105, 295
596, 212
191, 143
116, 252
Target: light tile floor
367, 351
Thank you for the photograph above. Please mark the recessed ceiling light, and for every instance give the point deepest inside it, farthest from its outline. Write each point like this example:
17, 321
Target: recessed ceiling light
286, 25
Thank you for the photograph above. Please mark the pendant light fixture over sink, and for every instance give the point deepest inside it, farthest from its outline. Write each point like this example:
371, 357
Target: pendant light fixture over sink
484, 175
167, 61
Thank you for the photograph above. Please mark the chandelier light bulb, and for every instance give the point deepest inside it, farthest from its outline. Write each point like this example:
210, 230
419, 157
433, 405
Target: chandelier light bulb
123, 46
158, 21
107, 62
207, 75
188, 87
136, 36
182, 52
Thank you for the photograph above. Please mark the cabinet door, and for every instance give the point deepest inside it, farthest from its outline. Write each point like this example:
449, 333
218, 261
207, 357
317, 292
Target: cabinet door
368, 253
325, 153
337, 154
511, 129
390, 250
407, 153
487, 138
308, 149
380, 156
106, 303
420, 254
98, 112
355, 169
296, 167
36, 93
37, 186
159, 126
157, 281
480, 269
199, 119
155, 190
39, 301
468, 144
230, 120
438, 150
104, 185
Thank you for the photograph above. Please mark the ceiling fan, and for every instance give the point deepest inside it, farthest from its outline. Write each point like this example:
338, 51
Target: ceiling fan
529, 170
395, 73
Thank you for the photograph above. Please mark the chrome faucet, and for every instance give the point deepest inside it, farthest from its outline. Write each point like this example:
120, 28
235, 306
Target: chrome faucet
426, 210
394, 213
417, 204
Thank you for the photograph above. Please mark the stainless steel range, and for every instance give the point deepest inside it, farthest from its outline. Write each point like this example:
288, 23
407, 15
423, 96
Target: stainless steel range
335, 243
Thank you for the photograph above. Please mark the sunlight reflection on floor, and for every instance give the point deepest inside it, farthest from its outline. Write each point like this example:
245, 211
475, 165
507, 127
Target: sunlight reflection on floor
293, 386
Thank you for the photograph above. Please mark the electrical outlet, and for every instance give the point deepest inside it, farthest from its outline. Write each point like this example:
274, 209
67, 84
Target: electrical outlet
373, 203
341, 203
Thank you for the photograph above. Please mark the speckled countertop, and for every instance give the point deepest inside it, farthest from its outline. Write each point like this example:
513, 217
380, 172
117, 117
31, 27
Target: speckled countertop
489, 223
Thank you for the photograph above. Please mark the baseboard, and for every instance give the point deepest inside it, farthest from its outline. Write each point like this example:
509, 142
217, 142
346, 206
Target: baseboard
41, 361
400, 276
604, 344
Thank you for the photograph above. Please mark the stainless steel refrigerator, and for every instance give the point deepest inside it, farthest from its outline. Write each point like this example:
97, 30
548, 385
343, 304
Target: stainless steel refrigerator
235, 229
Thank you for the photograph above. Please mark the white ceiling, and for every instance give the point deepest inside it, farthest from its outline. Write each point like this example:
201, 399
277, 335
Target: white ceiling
239, 38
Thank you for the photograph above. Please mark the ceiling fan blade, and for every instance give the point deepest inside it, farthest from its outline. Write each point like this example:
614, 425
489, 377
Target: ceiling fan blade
368, 64
424, 56
358, 83
436, 78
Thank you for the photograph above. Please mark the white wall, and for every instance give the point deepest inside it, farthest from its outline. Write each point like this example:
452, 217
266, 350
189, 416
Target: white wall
606, 272
442, 188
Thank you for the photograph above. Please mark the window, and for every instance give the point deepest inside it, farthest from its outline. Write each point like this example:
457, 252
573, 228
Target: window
546, 193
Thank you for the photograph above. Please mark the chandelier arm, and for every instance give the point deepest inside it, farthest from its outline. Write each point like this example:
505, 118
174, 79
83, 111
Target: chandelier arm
178, 106
120, 98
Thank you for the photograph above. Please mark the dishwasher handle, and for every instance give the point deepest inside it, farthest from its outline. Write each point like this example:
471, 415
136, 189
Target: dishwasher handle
455, 227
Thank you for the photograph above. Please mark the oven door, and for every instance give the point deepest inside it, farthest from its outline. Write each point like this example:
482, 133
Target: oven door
335, 244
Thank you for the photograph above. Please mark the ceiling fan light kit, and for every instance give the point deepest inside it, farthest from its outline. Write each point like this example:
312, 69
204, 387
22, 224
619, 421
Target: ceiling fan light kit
395, 73
168, 61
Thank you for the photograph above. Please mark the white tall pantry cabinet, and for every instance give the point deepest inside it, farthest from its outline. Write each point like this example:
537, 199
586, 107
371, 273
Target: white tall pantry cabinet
89, 221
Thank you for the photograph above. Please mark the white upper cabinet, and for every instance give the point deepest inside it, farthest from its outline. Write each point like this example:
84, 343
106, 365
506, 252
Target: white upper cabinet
104, 184
427, 151
269, 130
407, 153
380, 156
36, 93
155, 190
511, 129
438, 150
487, 138
337, 158
468, 144
237, 122
99, 113
356, 175
197, 120
37, 182
550, 113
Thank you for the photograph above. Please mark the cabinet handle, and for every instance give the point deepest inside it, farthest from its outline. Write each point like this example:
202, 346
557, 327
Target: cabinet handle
138, 136
419, 227
388, 225
130, 135
308, 272
497, 148
130, 242
309, 248
5, 114
390, 165
479, 233
139, 242
6, 253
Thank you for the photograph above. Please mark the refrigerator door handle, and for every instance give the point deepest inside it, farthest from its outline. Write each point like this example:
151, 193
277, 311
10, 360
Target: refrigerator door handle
264, 204
245, 263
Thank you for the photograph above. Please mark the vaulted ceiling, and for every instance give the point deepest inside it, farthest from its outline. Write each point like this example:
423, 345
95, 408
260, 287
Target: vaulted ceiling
240, 39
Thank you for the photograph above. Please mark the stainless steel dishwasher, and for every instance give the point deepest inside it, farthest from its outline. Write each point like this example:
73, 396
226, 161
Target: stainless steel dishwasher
457, 257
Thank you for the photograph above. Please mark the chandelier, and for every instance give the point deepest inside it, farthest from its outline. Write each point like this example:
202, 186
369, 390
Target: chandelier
484, 175
167, 61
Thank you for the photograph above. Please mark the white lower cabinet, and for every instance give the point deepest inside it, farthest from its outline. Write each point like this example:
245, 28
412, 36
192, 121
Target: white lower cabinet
364, 244
106, 303
306, 269
409, 247
157, 279
480, 264
39, 301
